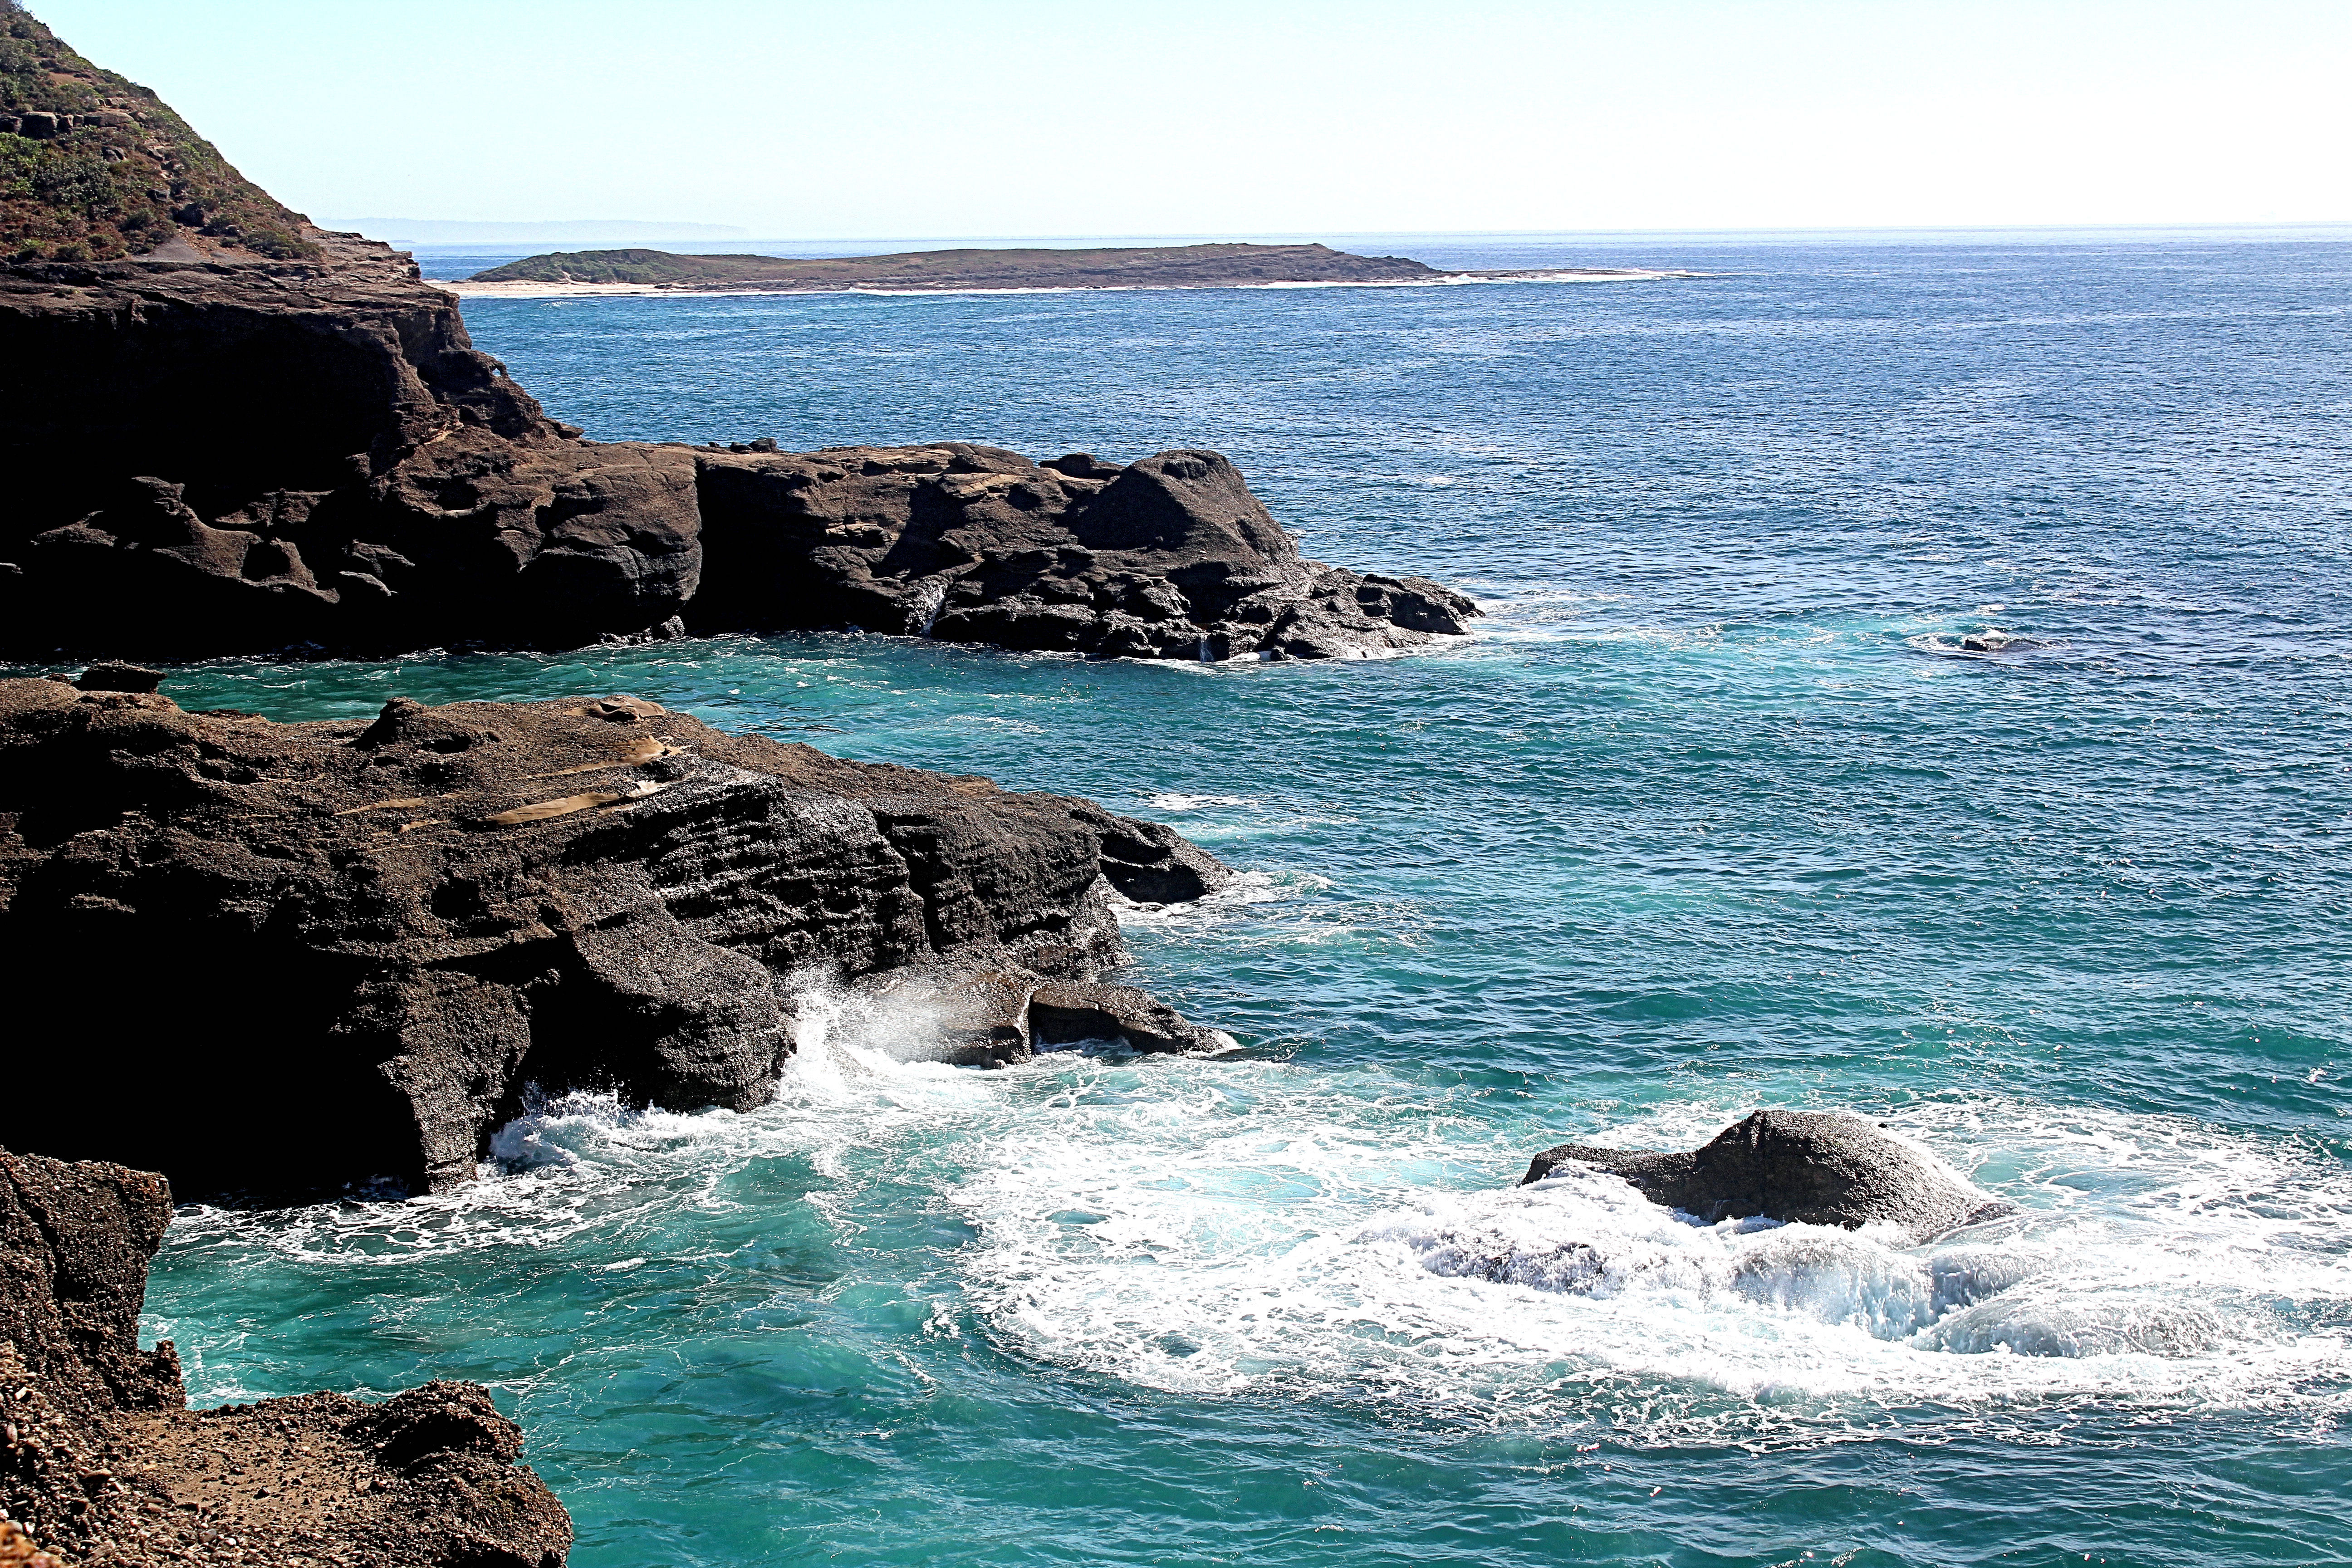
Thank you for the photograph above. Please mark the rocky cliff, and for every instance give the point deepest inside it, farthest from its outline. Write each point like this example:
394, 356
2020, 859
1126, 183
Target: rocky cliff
226, 444
241, 456
307, 954
101, 1462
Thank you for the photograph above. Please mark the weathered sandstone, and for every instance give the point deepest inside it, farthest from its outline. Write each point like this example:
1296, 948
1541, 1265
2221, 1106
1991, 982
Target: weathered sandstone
319, 953
102, 1464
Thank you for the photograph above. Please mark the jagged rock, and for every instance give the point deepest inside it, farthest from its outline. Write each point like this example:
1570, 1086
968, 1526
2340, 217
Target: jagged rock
1067, 1015
1171, 557
316, 953
980, 1017
1151, 863
240, 457
101, 1461
1799, 1166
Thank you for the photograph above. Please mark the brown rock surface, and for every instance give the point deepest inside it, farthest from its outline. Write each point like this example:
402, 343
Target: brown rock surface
214, 451
308, 954
101, 1463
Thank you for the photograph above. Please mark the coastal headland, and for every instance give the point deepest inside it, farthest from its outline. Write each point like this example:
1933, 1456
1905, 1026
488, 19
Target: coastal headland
455, 906
246, 454
1222, 266
236, 431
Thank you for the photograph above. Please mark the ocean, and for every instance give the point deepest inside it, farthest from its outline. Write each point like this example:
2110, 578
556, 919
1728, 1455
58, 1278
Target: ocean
1716, 811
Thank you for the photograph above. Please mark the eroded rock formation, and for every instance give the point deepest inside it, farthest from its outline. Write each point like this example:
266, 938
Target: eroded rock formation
241, 456
1799, 1166
214, 451
318, 953
102, 1464
1172, 557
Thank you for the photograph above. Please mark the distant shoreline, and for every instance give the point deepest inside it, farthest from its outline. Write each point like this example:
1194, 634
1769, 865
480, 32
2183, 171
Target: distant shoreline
464, 288
987, 270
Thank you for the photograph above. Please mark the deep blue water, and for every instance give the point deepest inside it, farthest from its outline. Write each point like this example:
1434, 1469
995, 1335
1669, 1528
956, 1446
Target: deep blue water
1713, 814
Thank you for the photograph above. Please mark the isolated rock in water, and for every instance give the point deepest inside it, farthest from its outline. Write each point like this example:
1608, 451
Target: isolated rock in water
1171, 557
101, 1461
1800, 1166
303, 955
1993, 640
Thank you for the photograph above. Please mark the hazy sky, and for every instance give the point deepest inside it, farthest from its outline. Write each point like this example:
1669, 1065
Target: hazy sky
1041, 117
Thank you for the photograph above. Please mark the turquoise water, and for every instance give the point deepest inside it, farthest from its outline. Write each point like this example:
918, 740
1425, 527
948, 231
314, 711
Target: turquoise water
1714, 813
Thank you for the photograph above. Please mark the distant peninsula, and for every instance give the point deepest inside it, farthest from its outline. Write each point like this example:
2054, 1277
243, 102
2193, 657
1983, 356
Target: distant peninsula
929, 271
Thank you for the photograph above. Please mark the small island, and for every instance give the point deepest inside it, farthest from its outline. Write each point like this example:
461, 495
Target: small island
1229, 266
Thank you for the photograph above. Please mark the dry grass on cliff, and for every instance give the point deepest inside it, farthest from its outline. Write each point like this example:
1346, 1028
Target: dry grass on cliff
126, 175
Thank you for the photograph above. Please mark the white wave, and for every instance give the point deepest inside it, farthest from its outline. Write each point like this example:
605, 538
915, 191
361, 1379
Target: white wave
1170, 801
1251, 1226
1292, 1253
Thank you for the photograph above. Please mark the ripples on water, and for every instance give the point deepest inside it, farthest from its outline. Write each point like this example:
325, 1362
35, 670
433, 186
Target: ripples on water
1719, 810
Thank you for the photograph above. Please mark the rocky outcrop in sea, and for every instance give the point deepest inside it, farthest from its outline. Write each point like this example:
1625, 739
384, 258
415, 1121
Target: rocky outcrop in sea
231, 432
102, 1464
1797, 1166
309, 956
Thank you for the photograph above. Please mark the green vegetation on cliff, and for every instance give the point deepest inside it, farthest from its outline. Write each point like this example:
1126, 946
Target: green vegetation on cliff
94, 167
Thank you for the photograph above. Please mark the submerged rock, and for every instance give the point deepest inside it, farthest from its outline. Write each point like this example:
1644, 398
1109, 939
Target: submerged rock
101, 1460
304, 956
1798, 1167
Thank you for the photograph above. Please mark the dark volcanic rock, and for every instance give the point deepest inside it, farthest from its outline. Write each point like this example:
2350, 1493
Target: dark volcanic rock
1171, 557
268, 455
101, 1460
242, 456
1067, 1015
214, 451
120, 677
1800, 1166
316, 953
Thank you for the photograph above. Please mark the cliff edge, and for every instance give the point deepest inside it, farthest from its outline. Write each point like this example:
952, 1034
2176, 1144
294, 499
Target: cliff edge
231, 432
310, 955
101, 1462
